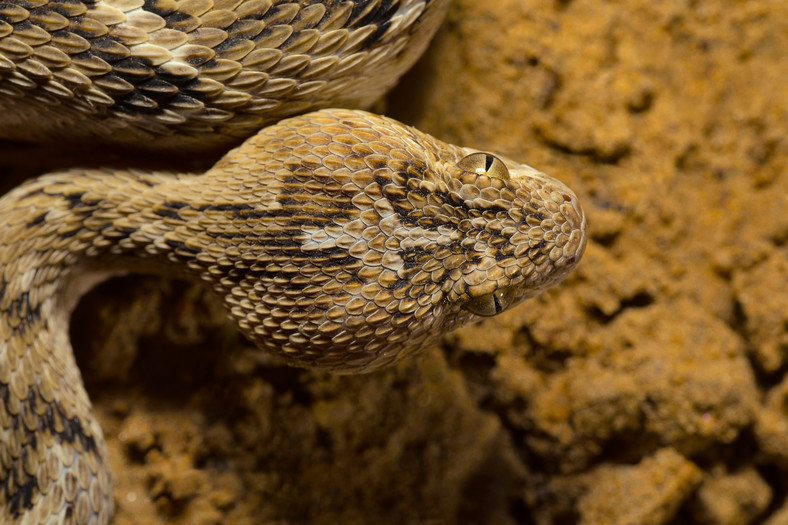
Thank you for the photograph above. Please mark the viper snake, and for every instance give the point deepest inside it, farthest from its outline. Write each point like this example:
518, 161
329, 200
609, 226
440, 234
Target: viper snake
336, 238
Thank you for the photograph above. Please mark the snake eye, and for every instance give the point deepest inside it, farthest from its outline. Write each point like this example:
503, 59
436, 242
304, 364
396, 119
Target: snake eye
484, 164
492, 303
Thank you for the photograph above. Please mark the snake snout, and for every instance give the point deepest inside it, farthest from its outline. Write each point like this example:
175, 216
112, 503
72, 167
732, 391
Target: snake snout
571, 233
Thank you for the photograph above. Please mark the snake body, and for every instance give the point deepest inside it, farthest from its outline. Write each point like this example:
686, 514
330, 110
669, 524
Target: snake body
337, 239
193, 74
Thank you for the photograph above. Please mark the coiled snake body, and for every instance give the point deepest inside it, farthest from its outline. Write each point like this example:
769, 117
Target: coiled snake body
337, 239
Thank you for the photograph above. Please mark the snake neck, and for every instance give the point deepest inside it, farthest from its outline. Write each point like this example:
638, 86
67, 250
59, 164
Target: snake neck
69, 222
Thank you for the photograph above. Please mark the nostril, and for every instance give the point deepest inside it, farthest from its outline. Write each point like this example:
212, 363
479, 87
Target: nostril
572, 213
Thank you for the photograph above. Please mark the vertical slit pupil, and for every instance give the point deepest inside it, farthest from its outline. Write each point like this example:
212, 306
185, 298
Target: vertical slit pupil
488, 162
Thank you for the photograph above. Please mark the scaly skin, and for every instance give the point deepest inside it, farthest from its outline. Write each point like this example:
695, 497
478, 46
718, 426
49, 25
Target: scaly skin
196, 74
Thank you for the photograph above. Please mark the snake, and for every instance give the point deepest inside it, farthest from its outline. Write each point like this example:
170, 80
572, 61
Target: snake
337, 239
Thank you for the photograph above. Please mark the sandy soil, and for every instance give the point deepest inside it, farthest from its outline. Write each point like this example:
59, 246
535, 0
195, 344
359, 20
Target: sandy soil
648, 388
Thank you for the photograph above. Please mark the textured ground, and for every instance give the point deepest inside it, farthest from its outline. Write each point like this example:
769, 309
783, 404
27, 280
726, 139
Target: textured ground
651, 387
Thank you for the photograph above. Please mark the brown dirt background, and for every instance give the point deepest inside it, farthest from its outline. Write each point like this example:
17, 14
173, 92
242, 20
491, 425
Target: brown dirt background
650, 387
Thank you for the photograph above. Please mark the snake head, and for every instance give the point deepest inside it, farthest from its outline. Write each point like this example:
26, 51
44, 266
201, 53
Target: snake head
524, 233
350, 240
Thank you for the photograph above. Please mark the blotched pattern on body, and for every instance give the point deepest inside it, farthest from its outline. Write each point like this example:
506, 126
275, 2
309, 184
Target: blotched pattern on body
338, 239
196, 73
